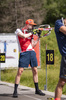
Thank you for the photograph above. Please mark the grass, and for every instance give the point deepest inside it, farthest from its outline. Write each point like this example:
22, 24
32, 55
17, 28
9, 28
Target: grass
26, 78
8, 75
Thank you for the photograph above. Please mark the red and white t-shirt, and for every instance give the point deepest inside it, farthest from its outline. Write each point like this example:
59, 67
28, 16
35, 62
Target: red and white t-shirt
24, 43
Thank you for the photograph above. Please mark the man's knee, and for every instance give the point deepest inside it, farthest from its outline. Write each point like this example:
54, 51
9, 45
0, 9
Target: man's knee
61, 82
20, 71
35, 70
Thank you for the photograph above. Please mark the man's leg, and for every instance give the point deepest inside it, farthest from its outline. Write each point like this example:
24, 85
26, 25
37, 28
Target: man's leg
62, 80
58, 91
35, 74
35, 79
17, 80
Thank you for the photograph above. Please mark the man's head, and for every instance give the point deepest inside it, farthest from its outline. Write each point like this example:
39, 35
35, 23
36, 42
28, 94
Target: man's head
30, 23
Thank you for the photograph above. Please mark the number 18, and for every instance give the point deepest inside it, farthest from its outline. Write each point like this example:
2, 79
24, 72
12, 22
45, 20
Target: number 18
50, 57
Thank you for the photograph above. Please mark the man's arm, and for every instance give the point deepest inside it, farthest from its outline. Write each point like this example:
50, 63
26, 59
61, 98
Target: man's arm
19, 33
34, 42
24, 35
63, 29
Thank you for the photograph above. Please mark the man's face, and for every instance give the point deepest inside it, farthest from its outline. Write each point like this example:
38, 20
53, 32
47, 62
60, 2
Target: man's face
30, 27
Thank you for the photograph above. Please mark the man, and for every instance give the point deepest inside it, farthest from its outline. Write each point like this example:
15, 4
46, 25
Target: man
27, 55
60, 30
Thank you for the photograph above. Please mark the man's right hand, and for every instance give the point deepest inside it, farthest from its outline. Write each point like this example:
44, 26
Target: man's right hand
35, 32
38, 32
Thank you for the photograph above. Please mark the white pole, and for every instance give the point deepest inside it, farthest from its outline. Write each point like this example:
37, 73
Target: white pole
62, 20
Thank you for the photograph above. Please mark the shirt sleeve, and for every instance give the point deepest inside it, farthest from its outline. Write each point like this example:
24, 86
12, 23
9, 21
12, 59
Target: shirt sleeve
58, 24
18, 31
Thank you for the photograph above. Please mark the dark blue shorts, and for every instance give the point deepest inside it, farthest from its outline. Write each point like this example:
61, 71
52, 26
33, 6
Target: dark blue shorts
63, 68
26, 58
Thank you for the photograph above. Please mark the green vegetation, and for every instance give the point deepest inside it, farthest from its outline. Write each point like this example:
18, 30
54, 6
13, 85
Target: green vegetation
52, 70
55, 10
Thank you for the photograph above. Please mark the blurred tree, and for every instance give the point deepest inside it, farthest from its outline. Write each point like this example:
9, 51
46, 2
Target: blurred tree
14, 13
55, 10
